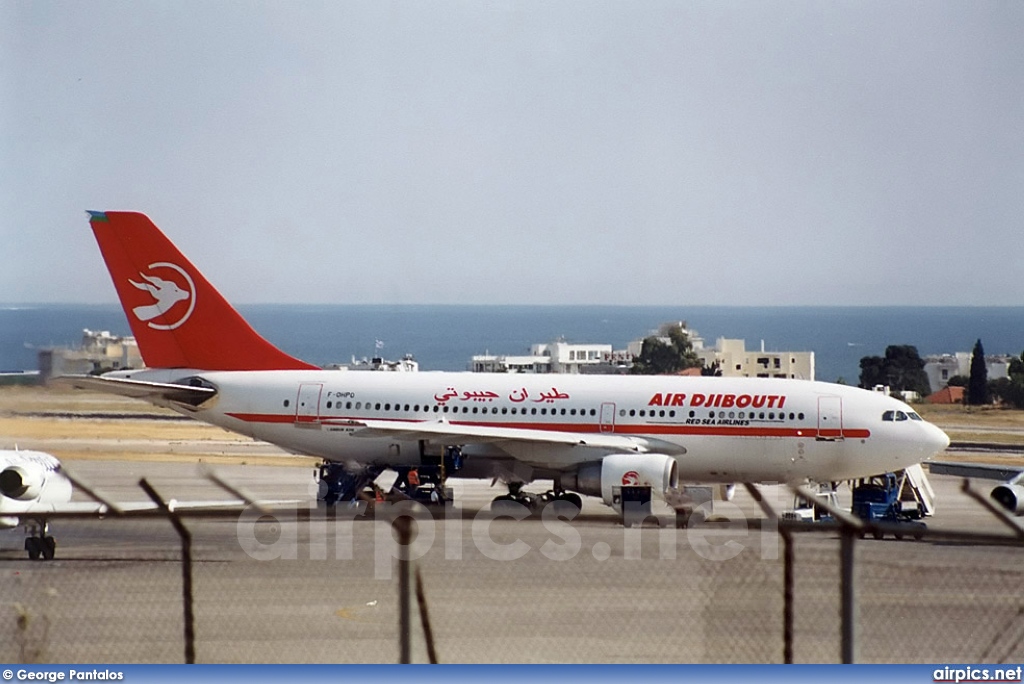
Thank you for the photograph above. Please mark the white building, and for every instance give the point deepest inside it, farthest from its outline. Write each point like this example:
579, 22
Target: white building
734, 360
941, 367
99, 352
555, 357
731, 355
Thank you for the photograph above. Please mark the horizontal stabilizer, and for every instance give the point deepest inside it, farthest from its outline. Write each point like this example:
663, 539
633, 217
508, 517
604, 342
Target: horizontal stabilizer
140, 389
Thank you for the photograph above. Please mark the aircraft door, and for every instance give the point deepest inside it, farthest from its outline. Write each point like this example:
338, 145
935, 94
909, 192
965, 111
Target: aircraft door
307, 403
830, 418
607, 417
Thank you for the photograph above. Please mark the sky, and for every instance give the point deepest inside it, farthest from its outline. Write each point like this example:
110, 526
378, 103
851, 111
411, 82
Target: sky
506, 152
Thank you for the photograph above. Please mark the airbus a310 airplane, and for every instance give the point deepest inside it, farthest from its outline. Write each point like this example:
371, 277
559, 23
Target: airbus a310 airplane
589, 434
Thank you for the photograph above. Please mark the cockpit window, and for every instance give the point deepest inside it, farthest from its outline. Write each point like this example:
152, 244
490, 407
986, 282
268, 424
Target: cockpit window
914, 416
900, 415
889, 416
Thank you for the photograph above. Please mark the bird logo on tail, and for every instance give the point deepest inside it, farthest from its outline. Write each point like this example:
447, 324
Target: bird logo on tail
167, 294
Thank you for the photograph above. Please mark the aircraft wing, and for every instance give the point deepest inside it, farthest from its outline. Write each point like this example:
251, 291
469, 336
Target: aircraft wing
453, 434
139, 389
80, 508
975, 470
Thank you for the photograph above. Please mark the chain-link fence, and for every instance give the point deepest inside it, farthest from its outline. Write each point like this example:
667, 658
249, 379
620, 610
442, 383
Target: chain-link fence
296, 587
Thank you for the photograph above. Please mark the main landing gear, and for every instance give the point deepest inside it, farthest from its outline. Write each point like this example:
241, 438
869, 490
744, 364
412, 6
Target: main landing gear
423, 483
535, 502
338, 485
38, 543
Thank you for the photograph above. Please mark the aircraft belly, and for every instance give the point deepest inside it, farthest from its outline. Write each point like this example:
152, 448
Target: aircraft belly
740, 459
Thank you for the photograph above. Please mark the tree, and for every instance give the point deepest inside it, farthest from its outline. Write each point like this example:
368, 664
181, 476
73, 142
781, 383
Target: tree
958, 381
977, 386
1010, 391
667, 354
712, 371
902, 369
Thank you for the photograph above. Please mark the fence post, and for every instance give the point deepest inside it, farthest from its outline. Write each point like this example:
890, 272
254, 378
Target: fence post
787, 596
848, 595
403, 526
186, 569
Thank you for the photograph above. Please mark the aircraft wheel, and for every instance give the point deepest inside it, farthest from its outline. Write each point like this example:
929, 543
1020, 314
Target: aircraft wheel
34, 547
48, 547
574, 499
504, 505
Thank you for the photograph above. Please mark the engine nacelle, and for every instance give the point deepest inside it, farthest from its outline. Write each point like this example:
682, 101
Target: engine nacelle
658, 471
1010, 497
22, 482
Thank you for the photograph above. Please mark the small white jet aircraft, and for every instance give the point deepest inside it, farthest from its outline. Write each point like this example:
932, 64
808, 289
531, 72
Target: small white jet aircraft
590, 435
32, 486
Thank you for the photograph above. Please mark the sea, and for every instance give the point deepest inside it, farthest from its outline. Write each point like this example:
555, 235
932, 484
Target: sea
445, 337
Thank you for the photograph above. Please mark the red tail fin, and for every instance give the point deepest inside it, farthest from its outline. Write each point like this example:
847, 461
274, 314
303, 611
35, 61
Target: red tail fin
178, 318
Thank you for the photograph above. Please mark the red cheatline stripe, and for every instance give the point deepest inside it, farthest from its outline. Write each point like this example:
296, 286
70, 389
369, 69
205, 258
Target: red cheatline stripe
589, 428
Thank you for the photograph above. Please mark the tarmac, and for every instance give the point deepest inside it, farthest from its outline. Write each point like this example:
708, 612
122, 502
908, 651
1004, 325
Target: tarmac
296, 586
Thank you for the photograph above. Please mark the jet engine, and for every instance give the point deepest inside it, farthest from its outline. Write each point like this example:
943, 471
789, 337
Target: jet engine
1010, 497
23, 482
657, 471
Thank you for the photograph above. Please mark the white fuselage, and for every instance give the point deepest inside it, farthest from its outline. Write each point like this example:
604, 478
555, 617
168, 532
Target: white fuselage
717, 429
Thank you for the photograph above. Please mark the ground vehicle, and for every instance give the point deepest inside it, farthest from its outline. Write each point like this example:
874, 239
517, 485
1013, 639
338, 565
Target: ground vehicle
886, 499
809, 510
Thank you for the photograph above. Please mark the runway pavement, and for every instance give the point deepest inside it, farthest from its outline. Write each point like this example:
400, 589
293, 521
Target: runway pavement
286, 589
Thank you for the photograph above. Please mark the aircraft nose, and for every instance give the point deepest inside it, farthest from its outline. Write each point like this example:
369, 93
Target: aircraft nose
937, 439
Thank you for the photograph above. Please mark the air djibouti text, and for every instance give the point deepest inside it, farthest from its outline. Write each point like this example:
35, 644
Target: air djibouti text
775, 401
